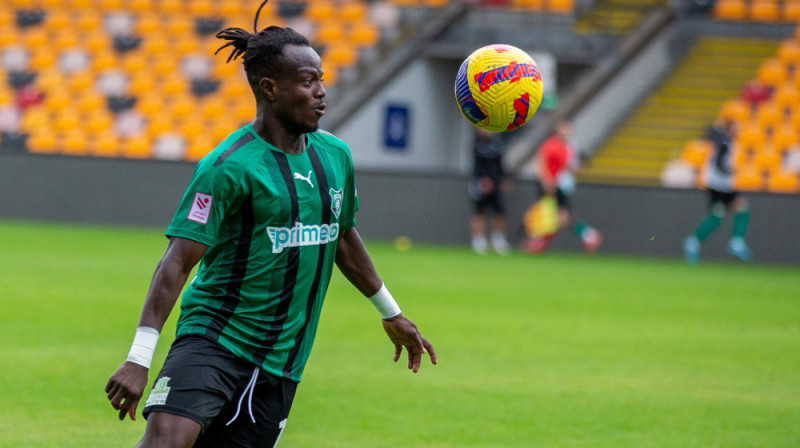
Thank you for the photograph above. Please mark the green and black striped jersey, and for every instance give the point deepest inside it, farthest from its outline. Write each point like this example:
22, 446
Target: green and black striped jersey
271, 221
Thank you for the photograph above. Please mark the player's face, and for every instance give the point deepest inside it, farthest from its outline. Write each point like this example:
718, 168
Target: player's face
298, 99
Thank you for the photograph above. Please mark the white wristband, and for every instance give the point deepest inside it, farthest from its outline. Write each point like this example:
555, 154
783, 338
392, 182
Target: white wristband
384, 303
144, 345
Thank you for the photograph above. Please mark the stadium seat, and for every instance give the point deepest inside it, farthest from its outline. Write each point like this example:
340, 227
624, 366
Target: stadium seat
748, 179
786, 96
783, 181
764, 10
136, 147
696, 151
733, 10
320, 10
341, 55
769, 114
750, 136
767, 158
329, 32
530, 5
560, 6
736, 110
74, 142
791, 10
352, 11
42, 142
110, 5
105, 144
772, 72
789, 52
364, 34
785, 137
201, 8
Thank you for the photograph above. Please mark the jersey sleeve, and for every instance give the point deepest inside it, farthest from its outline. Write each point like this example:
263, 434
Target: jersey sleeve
212, 192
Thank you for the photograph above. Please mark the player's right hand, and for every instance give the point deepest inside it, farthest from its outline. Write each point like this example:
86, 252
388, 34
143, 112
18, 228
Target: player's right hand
125, 388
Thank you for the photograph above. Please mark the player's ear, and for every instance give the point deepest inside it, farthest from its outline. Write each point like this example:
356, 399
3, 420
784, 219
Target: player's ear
267, 88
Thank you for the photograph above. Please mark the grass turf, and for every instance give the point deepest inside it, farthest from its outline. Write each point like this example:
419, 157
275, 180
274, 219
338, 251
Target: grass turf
560, 350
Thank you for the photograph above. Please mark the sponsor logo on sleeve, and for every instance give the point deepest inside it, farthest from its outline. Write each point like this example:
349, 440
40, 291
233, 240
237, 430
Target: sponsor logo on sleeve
201, 208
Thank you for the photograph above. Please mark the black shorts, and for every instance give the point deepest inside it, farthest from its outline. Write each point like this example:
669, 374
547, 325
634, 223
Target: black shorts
724, 197
203, 381
562, 200
486, 201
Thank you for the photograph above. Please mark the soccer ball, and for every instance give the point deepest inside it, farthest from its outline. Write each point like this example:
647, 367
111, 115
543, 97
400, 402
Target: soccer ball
498, 88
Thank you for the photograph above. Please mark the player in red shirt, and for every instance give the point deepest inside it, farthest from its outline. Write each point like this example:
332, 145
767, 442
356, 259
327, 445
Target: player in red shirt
557, 159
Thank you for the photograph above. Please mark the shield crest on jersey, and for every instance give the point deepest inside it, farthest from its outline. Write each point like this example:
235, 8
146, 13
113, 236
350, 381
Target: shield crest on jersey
336, 201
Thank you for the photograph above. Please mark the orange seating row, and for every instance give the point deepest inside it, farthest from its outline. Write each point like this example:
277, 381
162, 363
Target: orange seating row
757, 10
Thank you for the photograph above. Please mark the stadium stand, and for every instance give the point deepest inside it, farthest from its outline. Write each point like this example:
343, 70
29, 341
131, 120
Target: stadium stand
136, 70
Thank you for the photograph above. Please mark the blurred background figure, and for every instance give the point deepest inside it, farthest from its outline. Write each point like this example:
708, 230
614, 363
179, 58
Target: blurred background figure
722, 198
486, 191
556, 162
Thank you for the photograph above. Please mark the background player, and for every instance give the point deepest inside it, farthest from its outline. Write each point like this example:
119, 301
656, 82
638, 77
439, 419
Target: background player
556, 160
266, 214
722, 198
486, 190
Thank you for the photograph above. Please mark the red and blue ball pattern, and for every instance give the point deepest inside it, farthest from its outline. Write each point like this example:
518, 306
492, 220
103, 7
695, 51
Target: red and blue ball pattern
498, 88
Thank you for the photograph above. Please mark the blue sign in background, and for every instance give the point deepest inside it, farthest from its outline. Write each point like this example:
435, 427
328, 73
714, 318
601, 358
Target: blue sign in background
396, 127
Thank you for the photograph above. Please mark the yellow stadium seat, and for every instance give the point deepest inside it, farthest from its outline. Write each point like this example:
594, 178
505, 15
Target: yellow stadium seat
352, 11
99, 121
58, 19
750, 136
695, 152
106, 144
733, 10
791, 10
783, 181
90, 101
789, 52
42, 59
198, 146
561, 6
80, 82
341, 55
174, 86
767, 158
329, 32
235, 90
80, 4
201, 8
140, 6
184, 107
170, 6
179, 25
74, 142
111, 5
214, 107
764, 10
786, 96
36, 38
35, 120
320, 10
6, 18
785, 137
96, 43
165, 67
147, 24
9, 36
748, 178
104, 60
67, 119
160, 123
772, 73
57, 100
736, 110
42, 142
150, 103
137, 147
230, 8
364, 34
141, 83
769, 115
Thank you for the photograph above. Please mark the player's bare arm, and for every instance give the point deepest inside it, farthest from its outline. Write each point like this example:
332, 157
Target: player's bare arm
356, 265
126, 385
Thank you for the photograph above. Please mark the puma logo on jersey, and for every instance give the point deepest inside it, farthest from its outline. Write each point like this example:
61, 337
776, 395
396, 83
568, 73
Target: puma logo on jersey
305, 178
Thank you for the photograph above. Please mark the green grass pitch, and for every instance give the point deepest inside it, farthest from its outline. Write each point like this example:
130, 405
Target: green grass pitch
560, 350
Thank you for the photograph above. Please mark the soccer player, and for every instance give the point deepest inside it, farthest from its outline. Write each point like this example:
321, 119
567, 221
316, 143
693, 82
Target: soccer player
485, 189
266, 214
722, 199
556, 160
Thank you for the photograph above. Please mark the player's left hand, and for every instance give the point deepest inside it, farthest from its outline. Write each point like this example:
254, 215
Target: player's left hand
404, 333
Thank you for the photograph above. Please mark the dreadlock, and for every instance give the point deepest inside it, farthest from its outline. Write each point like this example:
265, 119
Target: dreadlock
260, 50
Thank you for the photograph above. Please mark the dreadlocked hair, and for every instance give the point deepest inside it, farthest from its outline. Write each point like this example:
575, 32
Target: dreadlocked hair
261, 50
